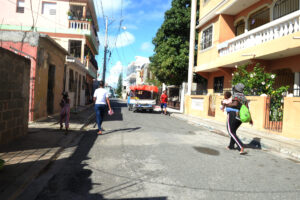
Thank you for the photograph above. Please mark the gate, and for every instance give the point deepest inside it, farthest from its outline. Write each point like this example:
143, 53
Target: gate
212, 105
273, 118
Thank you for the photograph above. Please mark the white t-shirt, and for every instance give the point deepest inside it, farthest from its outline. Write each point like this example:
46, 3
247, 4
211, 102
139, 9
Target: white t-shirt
100, 95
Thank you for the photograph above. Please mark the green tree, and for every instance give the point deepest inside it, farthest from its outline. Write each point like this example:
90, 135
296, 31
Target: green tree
171, 53
120, 85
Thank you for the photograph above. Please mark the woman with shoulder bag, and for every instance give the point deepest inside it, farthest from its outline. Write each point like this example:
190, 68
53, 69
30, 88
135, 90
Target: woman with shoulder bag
233, 123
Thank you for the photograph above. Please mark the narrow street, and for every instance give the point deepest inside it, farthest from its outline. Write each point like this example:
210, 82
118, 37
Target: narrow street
153, 156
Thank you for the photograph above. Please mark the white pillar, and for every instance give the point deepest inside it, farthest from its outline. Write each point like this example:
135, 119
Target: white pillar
192, 46
183, 91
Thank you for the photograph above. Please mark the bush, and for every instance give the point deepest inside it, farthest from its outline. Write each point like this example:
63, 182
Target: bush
258, 82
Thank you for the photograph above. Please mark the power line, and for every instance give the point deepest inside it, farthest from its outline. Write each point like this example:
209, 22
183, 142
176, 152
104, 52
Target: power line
103, 16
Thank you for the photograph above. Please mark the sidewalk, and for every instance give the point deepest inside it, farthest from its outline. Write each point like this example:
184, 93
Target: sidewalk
255, 138
28, 156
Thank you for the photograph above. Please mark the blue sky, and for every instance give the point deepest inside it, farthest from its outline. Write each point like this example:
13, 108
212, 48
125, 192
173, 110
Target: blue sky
140, 20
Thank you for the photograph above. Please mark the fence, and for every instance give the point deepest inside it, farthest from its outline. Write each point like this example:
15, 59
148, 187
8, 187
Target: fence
271, 124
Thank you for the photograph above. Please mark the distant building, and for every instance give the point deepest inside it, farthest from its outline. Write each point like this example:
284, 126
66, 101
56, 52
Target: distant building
135, 72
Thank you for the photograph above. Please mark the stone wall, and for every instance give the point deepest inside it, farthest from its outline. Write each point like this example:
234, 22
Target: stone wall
14, 95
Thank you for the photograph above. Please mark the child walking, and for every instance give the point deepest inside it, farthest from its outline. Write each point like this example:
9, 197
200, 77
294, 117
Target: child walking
65, 111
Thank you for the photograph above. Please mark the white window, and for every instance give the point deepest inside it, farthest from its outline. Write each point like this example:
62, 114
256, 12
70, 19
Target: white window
20, 6
49, 8
206, 39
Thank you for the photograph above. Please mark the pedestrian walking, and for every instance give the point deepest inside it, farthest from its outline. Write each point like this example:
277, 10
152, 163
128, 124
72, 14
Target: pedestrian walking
65, 111
238, 99
163, 102
101, 99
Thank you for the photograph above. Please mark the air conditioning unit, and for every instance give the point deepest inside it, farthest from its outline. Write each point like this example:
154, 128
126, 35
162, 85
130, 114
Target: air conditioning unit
52, 11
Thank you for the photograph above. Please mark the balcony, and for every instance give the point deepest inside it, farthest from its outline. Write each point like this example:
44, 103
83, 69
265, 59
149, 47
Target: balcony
91, 68
86, 28
276, 29
87, 66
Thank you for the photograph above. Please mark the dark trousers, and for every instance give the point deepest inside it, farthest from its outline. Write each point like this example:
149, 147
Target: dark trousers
232, 125
100, 109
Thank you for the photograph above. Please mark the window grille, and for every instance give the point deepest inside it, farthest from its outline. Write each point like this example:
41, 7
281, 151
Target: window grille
71, 81
49, 8
218, 84
240, 28
20, 6
207, 38
284, 7
259, 18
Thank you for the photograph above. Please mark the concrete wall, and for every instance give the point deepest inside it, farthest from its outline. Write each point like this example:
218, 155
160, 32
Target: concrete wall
198, 106
257, 105
291, 125
14, 95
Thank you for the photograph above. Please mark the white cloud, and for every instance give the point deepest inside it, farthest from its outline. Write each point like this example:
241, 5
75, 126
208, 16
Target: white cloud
114, 74
121, 40
124, 39
147, 46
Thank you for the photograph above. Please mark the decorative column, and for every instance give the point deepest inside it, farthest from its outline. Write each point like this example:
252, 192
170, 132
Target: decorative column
84, 12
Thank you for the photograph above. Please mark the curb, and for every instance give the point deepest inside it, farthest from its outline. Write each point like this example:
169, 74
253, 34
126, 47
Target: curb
53, 157
278, 146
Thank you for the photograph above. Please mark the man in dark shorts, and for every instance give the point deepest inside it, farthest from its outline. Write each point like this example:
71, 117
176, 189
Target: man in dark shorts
163, 102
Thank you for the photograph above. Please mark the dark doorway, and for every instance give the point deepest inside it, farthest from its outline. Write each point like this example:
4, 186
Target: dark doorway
50, 93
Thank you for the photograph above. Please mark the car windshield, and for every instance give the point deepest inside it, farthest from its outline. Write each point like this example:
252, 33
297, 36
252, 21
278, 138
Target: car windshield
142, 94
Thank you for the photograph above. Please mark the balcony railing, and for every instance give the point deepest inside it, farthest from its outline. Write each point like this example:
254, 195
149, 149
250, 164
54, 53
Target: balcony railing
79, 25
278, 28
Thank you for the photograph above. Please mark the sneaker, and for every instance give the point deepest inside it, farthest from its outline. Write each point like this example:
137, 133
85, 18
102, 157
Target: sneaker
99, 133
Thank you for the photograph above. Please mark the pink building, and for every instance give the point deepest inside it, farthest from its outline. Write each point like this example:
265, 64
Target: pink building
72, 24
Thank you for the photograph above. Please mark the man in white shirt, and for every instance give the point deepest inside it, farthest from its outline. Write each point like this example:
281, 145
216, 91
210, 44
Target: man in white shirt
100, 100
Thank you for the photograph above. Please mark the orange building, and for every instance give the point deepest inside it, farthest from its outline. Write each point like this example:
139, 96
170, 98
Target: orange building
236, 32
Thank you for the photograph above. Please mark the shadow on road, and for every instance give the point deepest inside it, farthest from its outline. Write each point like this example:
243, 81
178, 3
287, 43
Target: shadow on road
254, 144
73, 181
123, 130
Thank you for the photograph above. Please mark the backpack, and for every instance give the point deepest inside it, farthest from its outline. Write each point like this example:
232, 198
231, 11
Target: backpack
245, 114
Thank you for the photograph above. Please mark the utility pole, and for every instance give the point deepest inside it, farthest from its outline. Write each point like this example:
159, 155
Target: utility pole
192, 46
105, 52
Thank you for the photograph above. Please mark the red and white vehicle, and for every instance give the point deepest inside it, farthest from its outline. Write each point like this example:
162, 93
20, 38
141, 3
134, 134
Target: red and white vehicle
142, 97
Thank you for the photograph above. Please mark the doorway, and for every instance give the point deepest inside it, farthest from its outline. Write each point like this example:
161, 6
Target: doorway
50, 93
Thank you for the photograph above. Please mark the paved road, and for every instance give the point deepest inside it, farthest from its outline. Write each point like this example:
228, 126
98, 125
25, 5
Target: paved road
153, 156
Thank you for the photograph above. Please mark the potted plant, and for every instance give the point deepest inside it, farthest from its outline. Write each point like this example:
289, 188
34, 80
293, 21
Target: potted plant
70, 15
